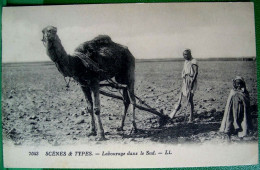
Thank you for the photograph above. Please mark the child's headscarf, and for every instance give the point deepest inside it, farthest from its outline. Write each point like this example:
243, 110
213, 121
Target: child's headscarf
239, 78
242, 79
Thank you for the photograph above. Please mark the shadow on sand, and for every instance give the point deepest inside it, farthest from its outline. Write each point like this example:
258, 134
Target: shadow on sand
177, 133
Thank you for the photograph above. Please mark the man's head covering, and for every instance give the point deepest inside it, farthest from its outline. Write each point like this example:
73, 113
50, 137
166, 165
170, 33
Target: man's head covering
188, 50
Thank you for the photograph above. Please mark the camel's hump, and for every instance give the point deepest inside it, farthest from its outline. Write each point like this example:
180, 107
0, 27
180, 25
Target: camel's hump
94, 44
102, 39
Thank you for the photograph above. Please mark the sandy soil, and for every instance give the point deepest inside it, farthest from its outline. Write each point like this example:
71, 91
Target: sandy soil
37, 108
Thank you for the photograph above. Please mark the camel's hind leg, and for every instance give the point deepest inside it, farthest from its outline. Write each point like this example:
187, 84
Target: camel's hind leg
89, 101
132, 107
126, 104
131, 92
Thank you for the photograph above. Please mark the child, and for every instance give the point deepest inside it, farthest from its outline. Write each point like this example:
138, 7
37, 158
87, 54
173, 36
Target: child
189, 85
237, 119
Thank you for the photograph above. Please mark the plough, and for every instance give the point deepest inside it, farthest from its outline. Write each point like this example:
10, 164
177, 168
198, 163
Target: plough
163, 118
151, 110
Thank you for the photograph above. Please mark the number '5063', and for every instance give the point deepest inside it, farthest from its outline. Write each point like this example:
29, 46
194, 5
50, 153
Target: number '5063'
33, 153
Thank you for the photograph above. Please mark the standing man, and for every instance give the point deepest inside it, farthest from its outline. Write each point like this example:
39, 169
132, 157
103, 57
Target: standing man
189, 85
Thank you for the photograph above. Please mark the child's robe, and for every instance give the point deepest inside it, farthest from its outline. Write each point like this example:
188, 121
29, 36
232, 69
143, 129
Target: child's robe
237, 115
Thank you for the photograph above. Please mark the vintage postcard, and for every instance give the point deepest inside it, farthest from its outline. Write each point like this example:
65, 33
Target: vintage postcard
129, 85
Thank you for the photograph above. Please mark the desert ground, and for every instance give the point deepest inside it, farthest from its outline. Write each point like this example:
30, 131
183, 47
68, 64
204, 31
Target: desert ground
38, 108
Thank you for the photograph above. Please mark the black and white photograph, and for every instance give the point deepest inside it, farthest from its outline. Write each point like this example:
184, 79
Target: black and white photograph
151, 85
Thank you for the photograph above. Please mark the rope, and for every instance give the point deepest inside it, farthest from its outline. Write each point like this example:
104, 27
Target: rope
44, 43
164, 93
67, 83
110, 89
91, 62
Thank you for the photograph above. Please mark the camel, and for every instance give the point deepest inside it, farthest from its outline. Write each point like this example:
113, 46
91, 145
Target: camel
94, 61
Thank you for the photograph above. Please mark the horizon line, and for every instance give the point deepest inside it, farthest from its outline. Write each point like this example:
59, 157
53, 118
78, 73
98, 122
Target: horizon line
157, 59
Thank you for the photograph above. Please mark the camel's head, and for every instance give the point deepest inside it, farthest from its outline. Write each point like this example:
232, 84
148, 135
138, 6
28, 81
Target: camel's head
49, 33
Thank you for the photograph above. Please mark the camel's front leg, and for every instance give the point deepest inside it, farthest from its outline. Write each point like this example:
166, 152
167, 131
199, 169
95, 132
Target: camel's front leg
89, 101
96, 98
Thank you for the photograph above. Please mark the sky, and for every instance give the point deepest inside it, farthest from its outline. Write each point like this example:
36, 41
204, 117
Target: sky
158, 30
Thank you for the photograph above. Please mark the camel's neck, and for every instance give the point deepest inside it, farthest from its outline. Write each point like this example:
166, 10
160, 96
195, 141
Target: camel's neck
55, 50
58, 55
